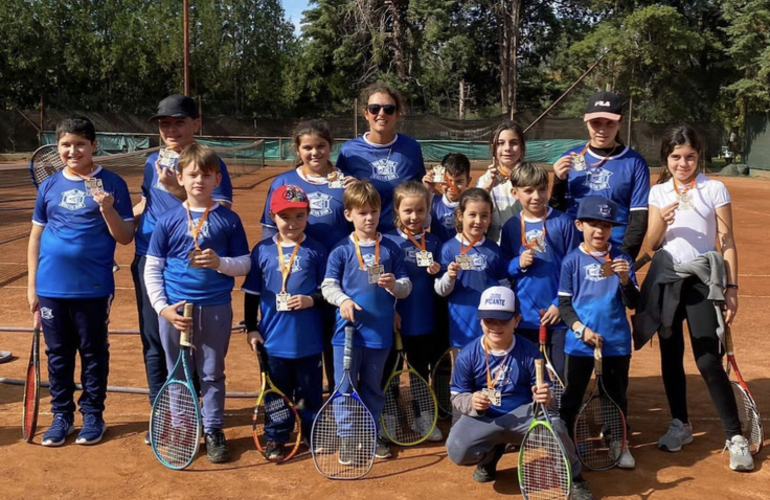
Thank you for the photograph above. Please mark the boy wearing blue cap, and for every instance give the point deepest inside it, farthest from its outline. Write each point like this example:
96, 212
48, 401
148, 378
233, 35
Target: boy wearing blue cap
597, 284
492, 417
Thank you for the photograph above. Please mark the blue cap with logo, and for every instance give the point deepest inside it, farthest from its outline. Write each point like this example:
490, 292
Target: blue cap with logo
598, 208
497, 302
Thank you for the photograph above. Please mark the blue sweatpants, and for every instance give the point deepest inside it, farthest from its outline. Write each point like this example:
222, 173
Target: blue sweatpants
71, 326
366, 368
302, 382
211, 339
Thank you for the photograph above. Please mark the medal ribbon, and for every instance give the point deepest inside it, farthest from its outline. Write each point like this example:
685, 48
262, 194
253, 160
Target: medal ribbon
306, 174
196, 231
492, 383
607, 259
685, 189
451, 185
414, 240
595, 165
463, 248
531, 243
361, 257
285, 269
86, 177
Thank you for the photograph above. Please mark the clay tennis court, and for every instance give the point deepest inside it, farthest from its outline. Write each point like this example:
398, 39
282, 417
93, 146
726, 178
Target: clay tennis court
123, 467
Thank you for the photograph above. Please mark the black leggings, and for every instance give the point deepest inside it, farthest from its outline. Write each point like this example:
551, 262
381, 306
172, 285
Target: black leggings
701, 317
419, 353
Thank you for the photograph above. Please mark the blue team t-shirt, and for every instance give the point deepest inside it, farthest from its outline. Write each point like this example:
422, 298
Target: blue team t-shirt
624, 179
513, 373
489, 269
159, 200
442, 213
417, 309
76, 247
288, 334
374, 324
597, 302
385, 166
537, 286
326, 223
222, 232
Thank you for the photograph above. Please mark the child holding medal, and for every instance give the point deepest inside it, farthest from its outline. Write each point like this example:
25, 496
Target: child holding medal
195, 251
471, 264
448, 181
597, 283
80, 213
535, 242
287, 299
414, 317
365, 274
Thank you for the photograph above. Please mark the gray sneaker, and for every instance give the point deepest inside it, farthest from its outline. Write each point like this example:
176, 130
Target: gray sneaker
678, 435
740, 456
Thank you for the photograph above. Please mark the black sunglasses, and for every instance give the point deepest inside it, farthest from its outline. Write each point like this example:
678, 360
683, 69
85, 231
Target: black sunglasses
374, 109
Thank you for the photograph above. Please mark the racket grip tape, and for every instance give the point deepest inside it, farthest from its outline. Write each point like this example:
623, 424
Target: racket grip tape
728, 340
186, 335
398, 342
598, 358
539, 372
350, 331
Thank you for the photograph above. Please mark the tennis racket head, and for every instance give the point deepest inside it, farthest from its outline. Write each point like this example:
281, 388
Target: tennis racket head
274, 416
411, 410
441, 381
751, 422
600, 432
45, 162
31, 402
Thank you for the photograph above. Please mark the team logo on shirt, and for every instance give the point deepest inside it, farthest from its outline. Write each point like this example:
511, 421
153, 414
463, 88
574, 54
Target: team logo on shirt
535, 237
205, 233
598, 179
286, 258
320, 204
448, 220
384, 170
73, 199
502, 376
46, 313
368, 260
594, 272
479, 262
410, 254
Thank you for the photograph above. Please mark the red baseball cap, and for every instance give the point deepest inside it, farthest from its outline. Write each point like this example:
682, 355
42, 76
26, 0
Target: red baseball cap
288, 196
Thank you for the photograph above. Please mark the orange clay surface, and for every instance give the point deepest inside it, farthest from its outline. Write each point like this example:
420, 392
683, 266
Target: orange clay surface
123, 467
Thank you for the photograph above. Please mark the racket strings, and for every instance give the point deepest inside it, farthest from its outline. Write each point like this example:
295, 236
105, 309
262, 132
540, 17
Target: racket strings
544, 474
343, 439
600, 433
275, 419
45, 164
409, 413
751, 424
174, 426
441, 382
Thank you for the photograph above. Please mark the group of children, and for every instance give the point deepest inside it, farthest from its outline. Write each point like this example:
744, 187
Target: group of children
328, 259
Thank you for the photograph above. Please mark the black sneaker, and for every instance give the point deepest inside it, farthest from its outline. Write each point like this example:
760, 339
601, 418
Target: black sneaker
216, 447
485, 473
382, 450
274, 451
580, 490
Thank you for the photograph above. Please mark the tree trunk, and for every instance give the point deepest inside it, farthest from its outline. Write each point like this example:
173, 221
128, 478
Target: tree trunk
461, 113
508, 14
398, 13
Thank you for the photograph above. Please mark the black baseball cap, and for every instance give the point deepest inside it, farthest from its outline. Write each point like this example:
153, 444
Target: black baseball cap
604, 105
177, 106
598, 208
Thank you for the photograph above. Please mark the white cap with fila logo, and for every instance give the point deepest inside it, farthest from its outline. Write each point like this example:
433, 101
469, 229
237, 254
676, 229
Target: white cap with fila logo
497, 302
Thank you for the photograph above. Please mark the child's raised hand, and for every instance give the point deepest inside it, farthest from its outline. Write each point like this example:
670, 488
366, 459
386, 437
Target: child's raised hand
489, 179
171, 315
104, 199
434, 268
621, 268
166, 176
452, 270
526, 258
387, 281
562, 166
299, 302
551, 316
480, 402
348, 180
207, 258
427, 181
254, 338
348, 310
669, 212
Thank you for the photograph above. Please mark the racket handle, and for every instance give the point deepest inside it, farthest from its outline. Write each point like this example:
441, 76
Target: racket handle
398, 342
539, 372
350, 331
543, 329
728, 340
185, 337
598, 359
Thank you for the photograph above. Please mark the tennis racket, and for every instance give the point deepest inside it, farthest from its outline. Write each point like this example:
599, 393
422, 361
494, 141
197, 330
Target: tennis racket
274, 413
45, 162
411, 411
31, 402
544, 470
440, 382
344, 434
600, 427
175, 422
751, 423
557, 385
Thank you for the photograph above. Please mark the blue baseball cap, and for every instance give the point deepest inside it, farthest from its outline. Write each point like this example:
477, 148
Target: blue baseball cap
497, 302
598, 208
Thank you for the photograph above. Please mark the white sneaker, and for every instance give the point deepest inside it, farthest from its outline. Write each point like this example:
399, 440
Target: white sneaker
626, 459
678, 435
436, 435
740, 456
421, 426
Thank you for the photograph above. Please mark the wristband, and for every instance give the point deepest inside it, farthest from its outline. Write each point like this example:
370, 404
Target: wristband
731, 286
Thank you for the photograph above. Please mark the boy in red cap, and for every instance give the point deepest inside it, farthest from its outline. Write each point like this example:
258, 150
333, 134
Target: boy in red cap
284, 289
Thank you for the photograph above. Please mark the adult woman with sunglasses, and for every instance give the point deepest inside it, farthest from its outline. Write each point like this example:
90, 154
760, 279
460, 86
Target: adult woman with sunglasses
382, 156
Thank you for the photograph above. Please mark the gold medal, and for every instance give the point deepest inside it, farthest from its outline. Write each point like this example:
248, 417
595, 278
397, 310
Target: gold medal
373, 273
494, 395
335, 180
424, 258
167, 158
465, 261
93, 186
578, 162
439, 172
282, 302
